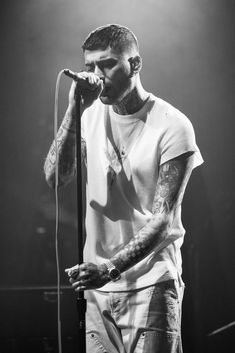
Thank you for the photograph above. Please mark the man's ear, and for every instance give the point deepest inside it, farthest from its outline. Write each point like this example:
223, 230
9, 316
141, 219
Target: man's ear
135, 64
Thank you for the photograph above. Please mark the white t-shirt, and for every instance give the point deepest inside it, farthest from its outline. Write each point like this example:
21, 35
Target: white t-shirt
124, 153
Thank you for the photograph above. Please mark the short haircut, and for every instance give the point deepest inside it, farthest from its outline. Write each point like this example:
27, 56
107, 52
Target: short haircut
112, 35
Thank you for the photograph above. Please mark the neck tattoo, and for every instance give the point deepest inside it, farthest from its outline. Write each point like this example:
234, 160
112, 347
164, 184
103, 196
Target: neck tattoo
131, 103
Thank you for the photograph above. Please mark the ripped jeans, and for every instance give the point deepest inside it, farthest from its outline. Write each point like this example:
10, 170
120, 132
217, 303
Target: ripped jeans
147, 320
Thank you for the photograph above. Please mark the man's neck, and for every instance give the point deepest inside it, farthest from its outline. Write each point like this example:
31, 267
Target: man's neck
132, 102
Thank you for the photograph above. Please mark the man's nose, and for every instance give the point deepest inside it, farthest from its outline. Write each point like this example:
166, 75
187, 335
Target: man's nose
98, 72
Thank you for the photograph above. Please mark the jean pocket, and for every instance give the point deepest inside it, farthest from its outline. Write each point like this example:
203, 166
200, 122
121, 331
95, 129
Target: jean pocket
94, 343
158, 341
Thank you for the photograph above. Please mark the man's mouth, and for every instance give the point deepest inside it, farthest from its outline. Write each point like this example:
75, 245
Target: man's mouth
105, 91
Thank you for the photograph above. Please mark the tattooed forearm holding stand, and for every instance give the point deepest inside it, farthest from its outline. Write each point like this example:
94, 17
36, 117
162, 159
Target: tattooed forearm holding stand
171, 184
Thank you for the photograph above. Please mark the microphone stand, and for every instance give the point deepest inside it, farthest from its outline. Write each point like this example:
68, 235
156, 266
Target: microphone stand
81, 301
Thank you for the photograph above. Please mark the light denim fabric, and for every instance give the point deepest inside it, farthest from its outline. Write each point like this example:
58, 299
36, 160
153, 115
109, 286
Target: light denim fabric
147, 320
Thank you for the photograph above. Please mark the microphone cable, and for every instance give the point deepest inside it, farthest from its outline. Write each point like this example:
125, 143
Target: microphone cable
59, 335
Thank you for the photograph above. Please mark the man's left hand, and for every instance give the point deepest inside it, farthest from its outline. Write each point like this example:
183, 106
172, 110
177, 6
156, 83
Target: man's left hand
87, 276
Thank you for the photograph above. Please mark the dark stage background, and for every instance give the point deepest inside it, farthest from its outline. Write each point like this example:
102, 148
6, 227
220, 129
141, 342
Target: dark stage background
188, 59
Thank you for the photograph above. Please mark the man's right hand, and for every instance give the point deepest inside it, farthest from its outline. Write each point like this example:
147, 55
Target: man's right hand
86, 84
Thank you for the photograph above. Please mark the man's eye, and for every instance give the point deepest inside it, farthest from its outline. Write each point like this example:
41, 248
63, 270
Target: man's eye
90, 68
109, 64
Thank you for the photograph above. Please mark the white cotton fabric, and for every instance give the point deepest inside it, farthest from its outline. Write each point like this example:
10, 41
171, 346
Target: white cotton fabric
120, 188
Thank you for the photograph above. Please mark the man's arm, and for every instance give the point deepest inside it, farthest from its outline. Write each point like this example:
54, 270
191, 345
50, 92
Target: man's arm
89, 86
171, 184
66, 143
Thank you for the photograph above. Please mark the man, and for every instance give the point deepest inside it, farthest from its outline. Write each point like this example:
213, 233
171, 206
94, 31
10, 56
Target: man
138, 152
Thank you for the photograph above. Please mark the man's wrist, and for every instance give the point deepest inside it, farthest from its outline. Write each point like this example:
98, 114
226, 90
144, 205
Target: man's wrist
72, 108
104, 273
69, 121
112, 272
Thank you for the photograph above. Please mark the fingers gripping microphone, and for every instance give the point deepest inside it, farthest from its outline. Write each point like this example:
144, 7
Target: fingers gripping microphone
75, 77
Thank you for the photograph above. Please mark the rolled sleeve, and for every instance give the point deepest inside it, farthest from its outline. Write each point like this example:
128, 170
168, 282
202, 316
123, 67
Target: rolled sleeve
178, 138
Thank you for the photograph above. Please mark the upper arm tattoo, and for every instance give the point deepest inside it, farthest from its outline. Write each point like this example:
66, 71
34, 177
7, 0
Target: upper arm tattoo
169, 185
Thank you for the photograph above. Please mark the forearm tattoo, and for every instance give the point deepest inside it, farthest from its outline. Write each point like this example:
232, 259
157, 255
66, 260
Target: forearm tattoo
66, 144
83, 151
172, 180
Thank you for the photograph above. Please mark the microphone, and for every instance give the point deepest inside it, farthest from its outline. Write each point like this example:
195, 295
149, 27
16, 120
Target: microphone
74, 76
70, 74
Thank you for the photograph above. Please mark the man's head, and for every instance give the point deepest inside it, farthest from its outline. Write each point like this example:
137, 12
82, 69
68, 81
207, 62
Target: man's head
112, 52
116, 37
